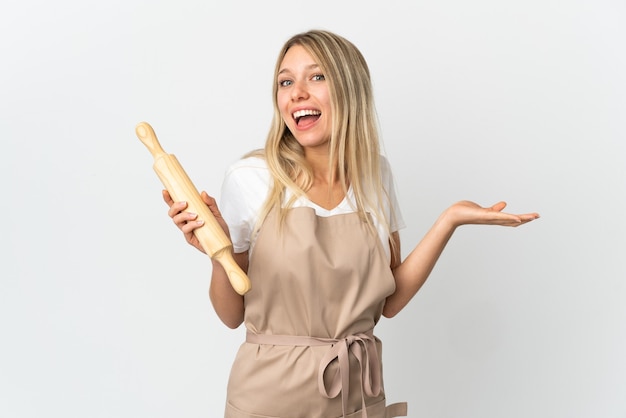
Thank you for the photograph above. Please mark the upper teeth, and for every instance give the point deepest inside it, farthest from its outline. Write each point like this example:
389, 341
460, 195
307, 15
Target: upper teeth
306, 112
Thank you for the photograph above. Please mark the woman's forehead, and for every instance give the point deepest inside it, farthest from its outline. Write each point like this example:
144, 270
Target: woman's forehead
297, 58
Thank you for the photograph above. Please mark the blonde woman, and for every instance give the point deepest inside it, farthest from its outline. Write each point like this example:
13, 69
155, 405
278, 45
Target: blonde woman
314, 222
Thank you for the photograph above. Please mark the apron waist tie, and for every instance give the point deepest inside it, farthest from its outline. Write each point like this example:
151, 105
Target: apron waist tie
361, 345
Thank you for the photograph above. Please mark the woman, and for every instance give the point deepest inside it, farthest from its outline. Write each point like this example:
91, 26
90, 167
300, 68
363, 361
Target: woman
314, 222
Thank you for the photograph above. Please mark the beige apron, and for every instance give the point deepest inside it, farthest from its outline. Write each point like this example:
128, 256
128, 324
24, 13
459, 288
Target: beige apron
318, 289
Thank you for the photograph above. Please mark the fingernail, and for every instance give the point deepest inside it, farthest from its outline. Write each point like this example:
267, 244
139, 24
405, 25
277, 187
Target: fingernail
200, 222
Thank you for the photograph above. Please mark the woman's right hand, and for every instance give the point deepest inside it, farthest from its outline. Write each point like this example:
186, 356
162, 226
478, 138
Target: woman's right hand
187, 222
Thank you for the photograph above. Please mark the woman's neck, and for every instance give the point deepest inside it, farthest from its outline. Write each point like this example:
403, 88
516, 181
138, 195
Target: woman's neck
326, 190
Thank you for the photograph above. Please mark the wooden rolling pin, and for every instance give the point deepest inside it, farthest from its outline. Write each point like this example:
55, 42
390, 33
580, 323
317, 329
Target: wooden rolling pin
211, 235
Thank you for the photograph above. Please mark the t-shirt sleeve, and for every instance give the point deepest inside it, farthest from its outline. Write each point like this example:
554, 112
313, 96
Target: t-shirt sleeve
243, 192
394, 213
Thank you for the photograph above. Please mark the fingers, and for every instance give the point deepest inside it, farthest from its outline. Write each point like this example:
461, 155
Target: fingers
185, 221
504, 219
499, 207
508, 219
527, 217
518, 220
176, 208
167, 198
211, 203
207, 199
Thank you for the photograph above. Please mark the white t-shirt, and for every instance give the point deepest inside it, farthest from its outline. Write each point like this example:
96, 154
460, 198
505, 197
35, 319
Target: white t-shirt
245, 188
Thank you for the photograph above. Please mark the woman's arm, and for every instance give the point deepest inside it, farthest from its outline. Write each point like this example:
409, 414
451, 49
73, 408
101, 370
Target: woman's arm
411, 274
227, 303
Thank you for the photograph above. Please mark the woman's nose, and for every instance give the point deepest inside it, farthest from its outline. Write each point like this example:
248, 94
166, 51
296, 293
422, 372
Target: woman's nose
299, 91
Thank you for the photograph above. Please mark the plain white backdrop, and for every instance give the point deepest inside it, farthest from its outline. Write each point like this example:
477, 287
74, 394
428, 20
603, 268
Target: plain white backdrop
103, 307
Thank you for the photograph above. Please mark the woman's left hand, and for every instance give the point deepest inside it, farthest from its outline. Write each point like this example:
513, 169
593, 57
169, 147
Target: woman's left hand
466, 213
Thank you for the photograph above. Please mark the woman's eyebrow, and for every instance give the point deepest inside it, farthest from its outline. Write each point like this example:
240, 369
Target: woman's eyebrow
308, 67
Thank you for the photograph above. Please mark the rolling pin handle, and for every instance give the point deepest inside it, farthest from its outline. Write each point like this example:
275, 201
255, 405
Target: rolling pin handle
146, 134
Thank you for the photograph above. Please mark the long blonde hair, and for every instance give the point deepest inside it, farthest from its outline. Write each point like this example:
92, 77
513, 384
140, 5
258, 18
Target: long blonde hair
354, 143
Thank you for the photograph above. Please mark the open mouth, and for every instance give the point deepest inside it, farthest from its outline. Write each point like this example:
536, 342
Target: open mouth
306, 116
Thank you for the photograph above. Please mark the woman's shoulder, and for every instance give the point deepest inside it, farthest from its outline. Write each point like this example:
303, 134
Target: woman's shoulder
248, 173
384, 163
249, 167
249, 162
385, 170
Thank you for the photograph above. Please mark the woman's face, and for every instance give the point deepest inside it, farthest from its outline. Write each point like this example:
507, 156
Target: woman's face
303, 98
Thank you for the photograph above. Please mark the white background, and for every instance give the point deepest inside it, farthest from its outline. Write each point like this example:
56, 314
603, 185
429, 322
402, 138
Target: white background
103, 306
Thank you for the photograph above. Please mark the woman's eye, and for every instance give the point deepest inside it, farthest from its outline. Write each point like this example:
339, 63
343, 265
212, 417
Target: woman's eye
284, 83
319, 77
